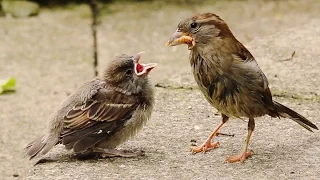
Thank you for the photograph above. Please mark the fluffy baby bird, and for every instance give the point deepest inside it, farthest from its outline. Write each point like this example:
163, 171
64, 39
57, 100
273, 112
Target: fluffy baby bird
229, 77
102, 113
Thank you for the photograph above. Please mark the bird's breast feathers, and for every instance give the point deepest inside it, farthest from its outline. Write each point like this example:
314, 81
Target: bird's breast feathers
222, 86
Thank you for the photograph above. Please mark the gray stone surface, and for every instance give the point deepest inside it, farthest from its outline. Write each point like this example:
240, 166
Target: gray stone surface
50, 55
282, 148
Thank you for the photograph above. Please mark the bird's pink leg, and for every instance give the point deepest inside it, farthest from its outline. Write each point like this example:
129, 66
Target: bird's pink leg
207, 144
245, 153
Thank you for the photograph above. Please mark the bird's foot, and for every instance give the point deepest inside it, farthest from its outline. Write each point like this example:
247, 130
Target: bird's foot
240, 157
105, 153
205, 147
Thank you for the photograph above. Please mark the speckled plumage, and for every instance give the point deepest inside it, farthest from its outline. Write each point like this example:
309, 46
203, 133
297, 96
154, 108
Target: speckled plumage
228, 75
101, 113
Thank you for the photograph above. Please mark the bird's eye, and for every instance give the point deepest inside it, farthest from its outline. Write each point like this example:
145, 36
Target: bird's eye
193, 25
129, 72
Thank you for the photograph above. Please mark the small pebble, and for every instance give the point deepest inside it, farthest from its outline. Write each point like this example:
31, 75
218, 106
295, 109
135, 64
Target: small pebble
193, 144
196, 127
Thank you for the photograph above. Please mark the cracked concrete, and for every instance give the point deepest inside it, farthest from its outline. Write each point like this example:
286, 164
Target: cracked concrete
50, 55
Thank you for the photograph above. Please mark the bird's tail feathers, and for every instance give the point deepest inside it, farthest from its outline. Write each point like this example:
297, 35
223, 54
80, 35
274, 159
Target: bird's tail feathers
289, 113
40, 146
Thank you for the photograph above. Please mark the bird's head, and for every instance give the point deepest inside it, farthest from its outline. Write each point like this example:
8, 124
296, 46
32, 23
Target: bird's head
200, 30
127, 72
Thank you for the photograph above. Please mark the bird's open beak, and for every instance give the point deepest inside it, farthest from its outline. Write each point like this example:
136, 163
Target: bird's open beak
179, 37
141, 69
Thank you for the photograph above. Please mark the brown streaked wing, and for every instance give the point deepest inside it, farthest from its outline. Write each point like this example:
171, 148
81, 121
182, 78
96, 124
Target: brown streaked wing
97, 111
86, 125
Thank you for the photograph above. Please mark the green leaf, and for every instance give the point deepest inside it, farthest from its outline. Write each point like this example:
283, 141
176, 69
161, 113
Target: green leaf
7, 85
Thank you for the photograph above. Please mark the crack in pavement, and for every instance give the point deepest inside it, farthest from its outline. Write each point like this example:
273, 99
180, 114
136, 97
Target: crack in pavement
314, 97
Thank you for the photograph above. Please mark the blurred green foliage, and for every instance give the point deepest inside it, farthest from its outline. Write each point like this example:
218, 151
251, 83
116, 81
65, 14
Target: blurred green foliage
65, 2
20, 8
7, 85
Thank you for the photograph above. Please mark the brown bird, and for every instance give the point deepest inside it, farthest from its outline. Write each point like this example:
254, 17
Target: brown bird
102, 113
229, 77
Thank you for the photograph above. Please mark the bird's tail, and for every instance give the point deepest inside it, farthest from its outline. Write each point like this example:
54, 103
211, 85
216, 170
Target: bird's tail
40, 146
288, 113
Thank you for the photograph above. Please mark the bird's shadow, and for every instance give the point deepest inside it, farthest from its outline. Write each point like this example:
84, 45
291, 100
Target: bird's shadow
283, 152
88, 157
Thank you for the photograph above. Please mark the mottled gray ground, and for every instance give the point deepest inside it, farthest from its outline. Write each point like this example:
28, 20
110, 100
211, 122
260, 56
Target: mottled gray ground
50, 55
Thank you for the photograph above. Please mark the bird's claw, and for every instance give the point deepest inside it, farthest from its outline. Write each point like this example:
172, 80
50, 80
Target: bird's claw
105, 153
240, 157
205, 147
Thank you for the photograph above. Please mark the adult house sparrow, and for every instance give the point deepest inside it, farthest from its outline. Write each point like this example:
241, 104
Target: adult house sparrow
229, 77
102, 113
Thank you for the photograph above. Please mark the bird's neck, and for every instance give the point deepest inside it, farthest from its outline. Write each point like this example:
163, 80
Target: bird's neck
141, 89
212, 60
220, 54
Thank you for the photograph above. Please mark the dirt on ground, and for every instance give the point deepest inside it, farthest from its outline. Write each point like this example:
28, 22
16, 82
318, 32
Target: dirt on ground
51, 55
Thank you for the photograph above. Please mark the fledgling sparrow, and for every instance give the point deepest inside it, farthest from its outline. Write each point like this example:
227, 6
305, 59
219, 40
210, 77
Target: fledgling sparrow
102, 113
228, 76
